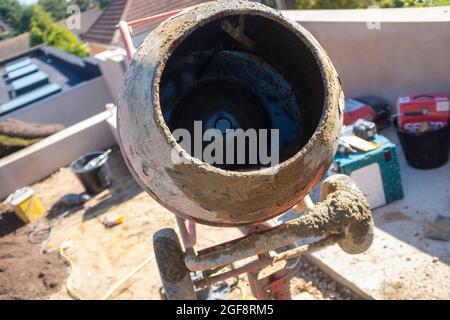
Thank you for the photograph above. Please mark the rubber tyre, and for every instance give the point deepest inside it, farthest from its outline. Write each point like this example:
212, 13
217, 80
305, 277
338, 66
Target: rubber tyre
175, 276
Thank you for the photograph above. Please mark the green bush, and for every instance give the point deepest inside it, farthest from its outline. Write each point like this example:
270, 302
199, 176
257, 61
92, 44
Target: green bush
361, 4
333, 4
44, 30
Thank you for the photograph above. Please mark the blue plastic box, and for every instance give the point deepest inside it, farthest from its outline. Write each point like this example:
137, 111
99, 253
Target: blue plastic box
377, 172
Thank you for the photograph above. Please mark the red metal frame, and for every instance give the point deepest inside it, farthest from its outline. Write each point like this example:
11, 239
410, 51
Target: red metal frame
189, 235
124, 28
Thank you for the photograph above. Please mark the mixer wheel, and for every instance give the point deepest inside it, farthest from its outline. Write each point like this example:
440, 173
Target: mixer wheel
175, 276
358, 238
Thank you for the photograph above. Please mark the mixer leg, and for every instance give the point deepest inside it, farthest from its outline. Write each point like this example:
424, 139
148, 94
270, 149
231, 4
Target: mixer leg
175, 276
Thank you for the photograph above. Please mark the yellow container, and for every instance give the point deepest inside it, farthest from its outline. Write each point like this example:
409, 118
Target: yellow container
26, 204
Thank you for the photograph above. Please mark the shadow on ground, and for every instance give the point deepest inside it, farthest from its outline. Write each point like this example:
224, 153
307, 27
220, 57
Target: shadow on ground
123, 188
9, 223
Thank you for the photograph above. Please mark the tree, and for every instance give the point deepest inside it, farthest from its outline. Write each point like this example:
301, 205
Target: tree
56, 8
84, 4
18, 16
25, 20
44, 30
103, 3
10, 12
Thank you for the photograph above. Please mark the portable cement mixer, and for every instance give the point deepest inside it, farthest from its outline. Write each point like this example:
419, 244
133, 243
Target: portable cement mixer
237, 64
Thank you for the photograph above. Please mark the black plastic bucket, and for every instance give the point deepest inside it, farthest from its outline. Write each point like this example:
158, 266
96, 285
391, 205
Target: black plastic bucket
427, 150
94, 179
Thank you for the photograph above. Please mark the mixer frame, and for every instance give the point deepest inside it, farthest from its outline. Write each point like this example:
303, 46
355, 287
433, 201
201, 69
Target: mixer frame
343, 216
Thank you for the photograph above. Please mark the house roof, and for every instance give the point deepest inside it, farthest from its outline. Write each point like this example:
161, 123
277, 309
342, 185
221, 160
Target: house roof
44, 66
87, 19
104, 31
12, 47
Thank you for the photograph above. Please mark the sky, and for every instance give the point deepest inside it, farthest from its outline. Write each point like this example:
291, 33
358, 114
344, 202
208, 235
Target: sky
27, 1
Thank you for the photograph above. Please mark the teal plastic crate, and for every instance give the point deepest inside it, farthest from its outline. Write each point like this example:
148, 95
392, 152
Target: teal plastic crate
377, 172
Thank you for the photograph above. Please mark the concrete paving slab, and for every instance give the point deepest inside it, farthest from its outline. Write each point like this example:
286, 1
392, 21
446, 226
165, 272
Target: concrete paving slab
402, 262
390, 269
427, 195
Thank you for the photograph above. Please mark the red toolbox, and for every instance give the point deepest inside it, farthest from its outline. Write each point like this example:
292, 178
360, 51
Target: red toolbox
355, 110
431, 108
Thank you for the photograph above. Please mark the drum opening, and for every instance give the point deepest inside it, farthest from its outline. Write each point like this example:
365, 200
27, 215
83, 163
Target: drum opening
246, 80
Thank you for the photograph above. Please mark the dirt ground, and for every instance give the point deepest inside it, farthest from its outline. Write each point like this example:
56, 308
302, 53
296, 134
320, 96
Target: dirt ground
101, 257
24, 274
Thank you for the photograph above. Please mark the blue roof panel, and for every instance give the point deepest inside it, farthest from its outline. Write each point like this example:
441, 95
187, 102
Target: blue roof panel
17, 64
29, 80
16, 74
30, 97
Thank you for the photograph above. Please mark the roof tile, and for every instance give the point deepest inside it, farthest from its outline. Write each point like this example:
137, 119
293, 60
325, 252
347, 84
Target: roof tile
104, 29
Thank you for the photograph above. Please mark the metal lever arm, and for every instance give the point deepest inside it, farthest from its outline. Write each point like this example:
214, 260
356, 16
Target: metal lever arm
343, 211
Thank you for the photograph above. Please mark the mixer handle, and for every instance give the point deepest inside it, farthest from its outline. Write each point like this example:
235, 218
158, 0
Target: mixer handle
343, 214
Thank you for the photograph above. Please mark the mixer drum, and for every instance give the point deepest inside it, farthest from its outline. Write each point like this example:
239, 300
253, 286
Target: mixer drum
229, 65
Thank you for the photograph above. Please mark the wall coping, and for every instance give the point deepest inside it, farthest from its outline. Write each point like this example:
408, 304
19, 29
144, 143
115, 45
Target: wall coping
428, 14
63, 134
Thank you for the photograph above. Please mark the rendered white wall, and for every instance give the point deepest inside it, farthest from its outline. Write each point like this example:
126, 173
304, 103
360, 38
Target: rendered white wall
40, 160
408, 54
68, 107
